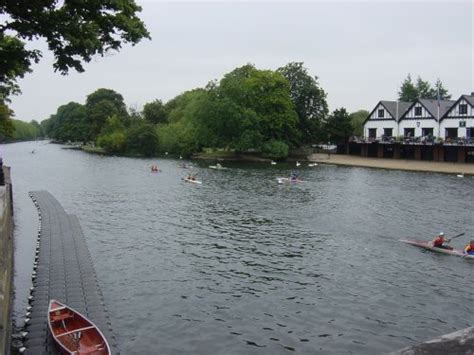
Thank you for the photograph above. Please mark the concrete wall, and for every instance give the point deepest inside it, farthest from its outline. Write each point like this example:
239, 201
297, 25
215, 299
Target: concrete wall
6, 262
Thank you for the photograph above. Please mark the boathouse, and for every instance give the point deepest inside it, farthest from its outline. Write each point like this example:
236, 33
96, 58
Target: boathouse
432, 130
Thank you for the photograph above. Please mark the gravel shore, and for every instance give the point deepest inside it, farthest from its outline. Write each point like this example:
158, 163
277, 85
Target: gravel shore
395, 164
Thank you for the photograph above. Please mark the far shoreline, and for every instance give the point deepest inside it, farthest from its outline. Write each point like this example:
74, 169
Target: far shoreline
394, 164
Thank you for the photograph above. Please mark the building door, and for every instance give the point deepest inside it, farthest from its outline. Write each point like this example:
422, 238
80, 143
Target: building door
372, 132
451, 133
409, 132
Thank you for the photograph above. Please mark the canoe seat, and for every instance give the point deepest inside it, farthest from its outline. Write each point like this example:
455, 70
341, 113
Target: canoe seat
57, 316
92, 349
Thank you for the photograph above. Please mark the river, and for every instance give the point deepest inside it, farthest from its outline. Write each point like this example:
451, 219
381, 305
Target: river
243, 265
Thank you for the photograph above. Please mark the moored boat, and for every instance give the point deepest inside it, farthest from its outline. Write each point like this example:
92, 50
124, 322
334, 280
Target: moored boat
429, 246
73, 333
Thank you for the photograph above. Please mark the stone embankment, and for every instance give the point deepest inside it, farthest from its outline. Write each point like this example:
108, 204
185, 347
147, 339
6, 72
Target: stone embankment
6, 259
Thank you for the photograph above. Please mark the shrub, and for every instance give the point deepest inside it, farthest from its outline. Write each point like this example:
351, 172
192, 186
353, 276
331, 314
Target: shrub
275, 149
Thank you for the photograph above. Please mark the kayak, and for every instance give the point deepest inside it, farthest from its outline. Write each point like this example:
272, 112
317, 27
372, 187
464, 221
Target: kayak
429, 246
192, 181
217, 167
283, 180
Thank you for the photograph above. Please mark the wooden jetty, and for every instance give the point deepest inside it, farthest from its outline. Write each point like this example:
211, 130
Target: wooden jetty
63, 270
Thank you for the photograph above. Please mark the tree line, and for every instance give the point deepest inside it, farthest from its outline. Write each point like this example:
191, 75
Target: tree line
249, 110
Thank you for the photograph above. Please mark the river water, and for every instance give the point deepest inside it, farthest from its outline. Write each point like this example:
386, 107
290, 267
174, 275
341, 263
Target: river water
243, 265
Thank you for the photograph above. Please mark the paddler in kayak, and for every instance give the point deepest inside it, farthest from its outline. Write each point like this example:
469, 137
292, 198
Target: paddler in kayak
441, 242
469, 249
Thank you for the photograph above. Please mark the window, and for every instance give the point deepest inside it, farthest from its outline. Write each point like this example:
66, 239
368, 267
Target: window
463, 109
417, 111
451, 133
462, 123
381, 113
427, 132
409, 132
372, 132
387, 132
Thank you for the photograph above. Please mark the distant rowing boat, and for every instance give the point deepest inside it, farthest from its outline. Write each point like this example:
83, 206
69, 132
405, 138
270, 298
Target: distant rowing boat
429, 246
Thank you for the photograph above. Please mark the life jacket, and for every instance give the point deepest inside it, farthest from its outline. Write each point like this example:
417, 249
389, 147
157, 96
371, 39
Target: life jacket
469, 249
438, 242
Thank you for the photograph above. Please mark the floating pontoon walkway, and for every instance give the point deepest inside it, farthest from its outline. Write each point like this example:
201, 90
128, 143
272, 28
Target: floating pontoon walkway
63, 271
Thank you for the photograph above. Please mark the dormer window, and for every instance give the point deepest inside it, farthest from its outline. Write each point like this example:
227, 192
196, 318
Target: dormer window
418, 111
381, 113
463, 109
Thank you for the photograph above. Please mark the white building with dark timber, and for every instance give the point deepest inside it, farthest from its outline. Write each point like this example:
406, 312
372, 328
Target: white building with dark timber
444, 119
458, 121
383, 120
422, 118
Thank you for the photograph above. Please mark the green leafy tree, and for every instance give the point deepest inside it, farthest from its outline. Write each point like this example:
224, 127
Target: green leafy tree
75, 31
309, 100
440, 90
154, 112
422, 90
6, 124
408, 91
275, 149
338, 126
357, 121
113, 136
141, 138
263, 98
24, 131
100, 105
68, 123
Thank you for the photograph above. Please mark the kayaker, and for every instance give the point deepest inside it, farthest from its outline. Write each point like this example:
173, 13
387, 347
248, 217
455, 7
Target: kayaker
469, 249
440, 240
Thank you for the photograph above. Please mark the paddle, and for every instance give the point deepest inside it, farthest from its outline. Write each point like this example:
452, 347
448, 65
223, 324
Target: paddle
459, 235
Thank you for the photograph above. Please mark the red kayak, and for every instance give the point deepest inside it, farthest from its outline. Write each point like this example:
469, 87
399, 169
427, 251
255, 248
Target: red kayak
74, 333
429, 246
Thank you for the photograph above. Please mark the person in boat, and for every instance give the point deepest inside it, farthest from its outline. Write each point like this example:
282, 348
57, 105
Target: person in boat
293, 176
192, 177
469, 249
441, 242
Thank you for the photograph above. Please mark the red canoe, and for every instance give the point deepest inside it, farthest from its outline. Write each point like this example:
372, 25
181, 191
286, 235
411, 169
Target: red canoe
74, 333
429, 246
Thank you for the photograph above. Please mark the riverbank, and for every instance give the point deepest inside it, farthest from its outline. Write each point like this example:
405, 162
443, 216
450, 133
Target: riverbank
394, 164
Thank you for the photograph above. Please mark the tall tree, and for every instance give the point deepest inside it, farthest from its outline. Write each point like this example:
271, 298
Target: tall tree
422, 90
74, 30
100, 105
408, 91
357, 121
338, 126
440, 91
154, 112
309, 100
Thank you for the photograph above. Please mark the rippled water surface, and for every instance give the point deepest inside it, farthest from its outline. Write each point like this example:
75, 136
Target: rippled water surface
242, 265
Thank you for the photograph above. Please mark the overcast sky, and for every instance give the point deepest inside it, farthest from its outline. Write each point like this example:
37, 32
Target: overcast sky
361, 51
